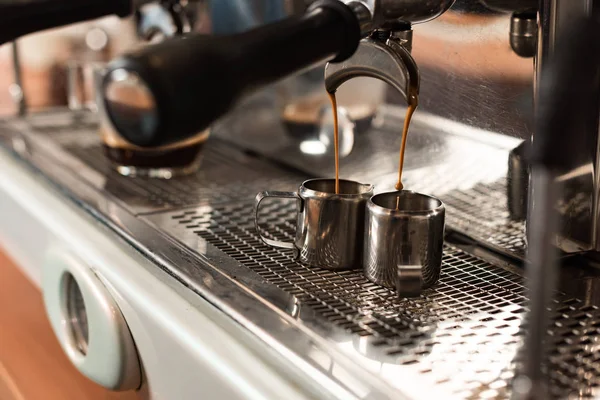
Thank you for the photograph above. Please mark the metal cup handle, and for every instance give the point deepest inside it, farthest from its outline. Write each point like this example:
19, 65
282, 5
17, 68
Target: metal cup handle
259, 198
409, 282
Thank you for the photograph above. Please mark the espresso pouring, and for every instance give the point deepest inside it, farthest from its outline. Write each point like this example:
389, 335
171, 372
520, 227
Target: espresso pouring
409, 113
336, 141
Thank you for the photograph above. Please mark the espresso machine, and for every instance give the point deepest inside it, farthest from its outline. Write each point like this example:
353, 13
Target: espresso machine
171, 273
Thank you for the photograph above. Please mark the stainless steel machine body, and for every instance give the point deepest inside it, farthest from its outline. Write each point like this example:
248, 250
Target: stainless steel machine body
579, 225
462, 338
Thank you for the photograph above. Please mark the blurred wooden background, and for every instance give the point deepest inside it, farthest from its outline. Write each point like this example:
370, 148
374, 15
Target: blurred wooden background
44, 57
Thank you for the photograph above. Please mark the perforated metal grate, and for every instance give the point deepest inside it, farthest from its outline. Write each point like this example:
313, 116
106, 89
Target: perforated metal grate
463, 335
467, 173
225, 175
228, 175
481, 213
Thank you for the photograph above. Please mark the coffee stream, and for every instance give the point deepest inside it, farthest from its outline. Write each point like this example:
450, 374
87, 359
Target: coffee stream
336, 141
409, 113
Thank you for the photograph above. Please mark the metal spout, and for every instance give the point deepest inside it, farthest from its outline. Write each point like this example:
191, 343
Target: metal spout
389, 61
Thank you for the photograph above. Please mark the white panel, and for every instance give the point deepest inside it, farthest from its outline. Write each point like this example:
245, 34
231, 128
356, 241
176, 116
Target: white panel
188, 349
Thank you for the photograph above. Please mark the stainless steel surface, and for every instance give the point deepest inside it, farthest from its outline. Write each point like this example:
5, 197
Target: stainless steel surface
469, 322
518, 181
403, 230
468, 172
549, 177
463, 166
409, 280
469, 73
460, 339
524, 33
578, 229
74, 101
414, 11
511, 5
387, 60
542, 266
469, 78
404, 37
481, 213
227, 287
330, 227
83, 81
76, 322
16, 89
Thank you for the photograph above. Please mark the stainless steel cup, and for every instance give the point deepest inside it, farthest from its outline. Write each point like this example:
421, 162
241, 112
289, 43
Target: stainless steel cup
330, 227
403, 241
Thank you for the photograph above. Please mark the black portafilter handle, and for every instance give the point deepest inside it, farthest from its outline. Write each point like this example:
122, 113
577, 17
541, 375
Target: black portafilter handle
20, 17
170, 91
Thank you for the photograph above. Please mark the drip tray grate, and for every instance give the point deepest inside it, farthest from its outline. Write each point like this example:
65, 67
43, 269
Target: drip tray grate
482, 214
225, 175
464, 335
228, 175
479, 212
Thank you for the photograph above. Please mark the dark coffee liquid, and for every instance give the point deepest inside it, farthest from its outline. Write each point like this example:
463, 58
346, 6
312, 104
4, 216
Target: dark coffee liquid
174, 158
121, 153
409, 113
336, 141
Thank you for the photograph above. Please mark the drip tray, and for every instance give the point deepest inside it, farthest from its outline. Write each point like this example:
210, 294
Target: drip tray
460, 339
463, 166
481, 213
463, 336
